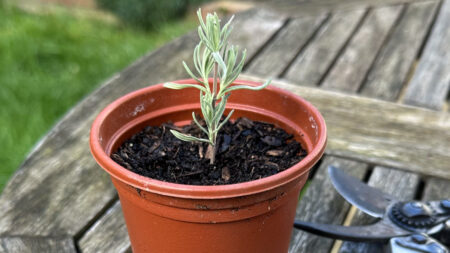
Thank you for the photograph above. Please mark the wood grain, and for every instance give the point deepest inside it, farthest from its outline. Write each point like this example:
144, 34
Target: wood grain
389, 73
59, 189
350, 69
283, 48
108, 234
436, 189
309, 67
253, 29
322, 204
17, 244
430, 84
296, 8
399, 184
380, 132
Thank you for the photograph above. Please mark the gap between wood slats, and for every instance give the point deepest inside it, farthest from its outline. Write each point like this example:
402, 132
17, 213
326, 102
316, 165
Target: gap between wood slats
323, 204
306, 44
312, 173
342, 49
301, 8
447, 105
392, 67
267, 43
89, 224
430, 84
24, 244
418, 195
413, 67
351, 213
429, 30
108, 234
426, 190
383, 45
276, 55
354, 63
311, 64
408, 183
408, 79
314, 169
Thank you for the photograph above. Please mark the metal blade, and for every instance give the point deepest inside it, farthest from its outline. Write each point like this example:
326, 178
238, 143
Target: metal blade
380, 231
370, 200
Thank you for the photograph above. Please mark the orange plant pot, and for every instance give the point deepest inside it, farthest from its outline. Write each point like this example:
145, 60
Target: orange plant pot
255, 216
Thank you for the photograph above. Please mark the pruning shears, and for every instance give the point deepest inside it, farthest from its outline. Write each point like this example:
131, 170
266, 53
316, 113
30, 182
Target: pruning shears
411, 226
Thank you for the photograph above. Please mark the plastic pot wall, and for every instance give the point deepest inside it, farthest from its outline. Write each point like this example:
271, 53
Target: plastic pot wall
254, 216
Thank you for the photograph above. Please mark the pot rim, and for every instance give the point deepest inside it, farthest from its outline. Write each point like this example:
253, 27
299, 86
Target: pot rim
204, 191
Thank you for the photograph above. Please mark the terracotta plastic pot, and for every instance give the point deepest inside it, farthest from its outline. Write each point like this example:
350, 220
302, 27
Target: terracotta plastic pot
254, 216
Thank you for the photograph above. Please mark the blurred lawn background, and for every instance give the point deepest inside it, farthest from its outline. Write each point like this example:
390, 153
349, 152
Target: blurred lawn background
49, 61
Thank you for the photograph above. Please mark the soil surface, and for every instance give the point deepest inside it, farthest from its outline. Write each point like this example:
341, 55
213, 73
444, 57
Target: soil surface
246, 150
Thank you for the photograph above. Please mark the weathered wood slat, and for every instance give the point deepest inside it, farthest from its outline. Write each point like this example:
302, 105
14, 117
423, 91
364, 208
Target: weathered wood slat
302, 8
58, 196
253, 29
322, 204
399, 184
381, 132
60, 189
350, 69
430, 84
283, 48
386, 78
436, 188
36, 244
311, 65
108, 234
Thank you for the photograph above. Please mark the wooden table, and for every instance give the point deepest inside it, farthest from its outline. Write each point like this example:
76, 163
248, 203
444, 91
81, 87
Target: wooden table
380, 76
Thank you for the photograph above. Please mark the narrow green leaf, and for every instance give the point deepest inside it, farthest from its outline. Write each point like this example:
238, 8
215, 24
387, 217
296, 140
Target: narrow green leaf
230, 58
205, 106
204, 66
225, 120
222, 65
200, 18
209, 66
226, 35
237, 70
185, 137
177, 86
219, 60
242, 62
213, 42
226, 29
234, 76
224, 52
246, 87
197, 58
188, 70
198, 123
218, 112
220, 109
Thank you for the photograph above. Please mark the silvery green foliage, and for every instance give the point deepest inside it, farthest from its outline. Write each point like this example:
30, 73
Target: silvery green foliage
213, 54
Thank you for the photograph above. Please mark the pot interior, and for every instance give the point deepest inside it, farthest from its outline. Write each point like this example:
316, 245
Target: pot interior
160, 106
155, 105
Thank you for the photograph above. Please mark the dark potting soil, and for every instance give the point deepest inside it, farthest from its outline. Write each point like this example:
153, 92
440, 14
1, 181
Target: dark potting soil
246, 150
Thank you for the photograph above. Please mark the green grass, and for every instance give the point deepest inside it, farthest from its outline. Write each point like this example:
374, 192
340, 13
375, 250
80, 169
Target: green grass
49, 62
